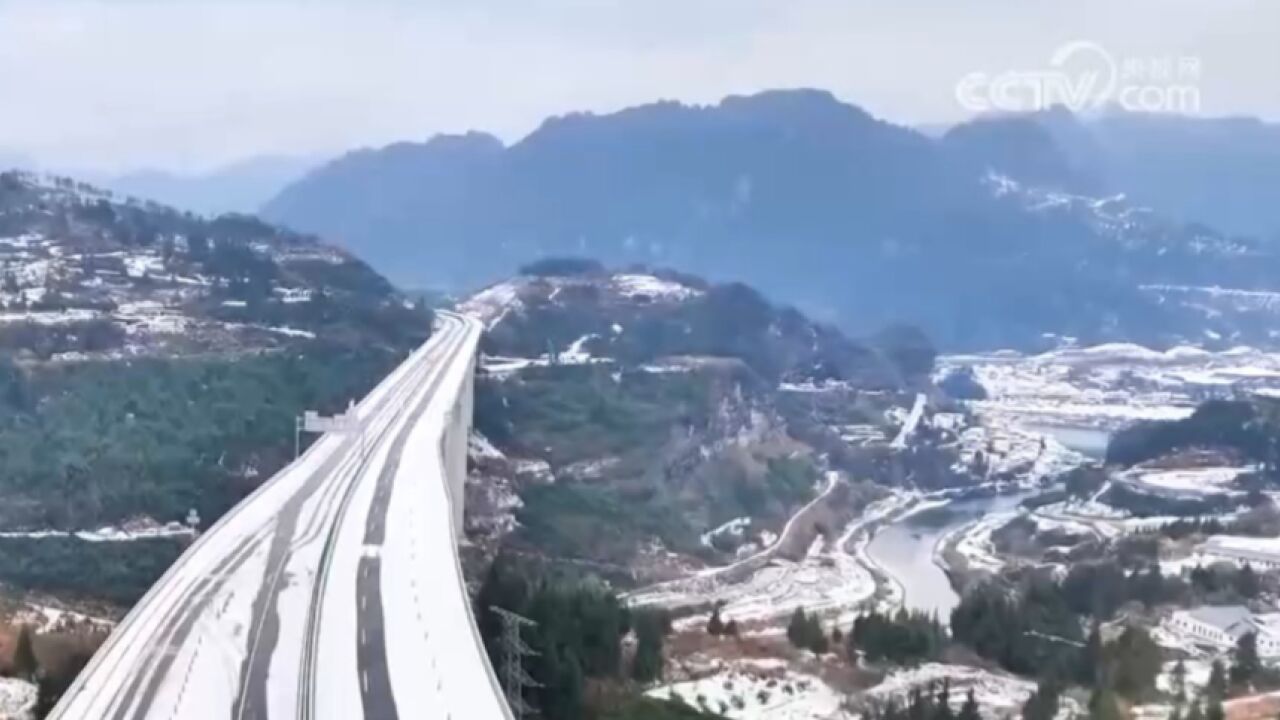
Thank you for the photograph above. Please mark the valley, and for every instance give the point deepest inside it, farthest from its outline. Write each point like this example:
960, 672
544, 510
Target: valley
990, 470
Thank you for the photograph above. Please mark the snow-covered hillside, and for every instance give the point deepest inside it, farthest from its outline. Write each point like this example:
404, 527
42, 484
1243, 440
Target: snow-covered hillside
87, 274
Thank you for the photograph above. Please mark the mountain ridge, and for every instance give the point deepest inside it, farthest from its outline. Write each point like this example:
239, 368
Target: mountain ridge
855, 220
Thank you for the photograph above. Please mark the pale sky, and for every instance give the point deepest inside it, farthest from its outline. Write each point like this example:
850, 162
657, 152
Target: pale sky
191, 84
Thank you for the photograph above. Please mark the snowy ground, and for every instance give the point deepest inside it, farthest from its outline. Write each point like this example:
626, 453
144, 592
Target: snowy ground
829, 580
111, 534
1187, 481
155, 301
46, 618
997, 694
653, 287
759, 690
17, 699
1107, 386
1104, 520
495, 302
1009, 449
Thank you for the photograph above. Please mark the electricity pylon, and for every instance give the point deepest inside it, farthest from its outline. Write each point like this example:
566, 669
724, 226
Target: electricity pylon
514, 678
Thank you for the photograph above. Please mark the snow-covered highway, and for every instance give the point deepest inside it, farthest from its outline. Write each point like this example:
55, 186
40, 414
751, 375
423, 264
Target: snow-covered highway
335, 590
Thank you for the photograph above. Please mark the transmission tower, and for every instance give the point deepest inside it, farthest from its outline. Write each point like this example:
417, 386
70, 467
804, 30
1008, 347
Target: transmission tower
514, 678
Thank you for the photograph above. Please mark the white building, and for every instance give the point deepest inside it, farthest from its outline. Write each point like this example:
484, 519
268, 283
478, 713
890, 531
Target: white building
1259, 553
1223, 625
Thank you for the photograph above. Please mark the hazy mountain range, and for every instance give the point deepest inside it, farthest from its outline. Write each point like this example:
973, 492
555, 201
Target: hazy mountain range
239, 187
997, 233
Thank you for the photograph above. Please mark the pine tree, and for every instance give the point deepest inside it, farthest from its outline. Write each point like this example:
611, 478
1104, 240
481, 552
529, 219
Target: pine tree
816, 639
943, 704
1104, 705
25, 665
1247, 582
796, 628
1217, 687
1133, 663
1043, 703
647, 665
1179, 683
1092, 660
1213, 709
916, 709
969, 711
1245, 664
715, 626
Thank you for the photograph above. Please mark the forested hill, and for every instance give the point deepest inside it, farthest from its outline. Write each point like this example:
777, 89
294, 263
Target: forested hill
578, 309
152, 362
619, 411
991, 236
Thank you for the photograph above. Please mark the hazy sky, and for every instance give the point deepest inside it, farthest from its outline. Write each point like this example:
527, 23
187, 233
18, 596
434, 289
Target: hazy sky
189, 84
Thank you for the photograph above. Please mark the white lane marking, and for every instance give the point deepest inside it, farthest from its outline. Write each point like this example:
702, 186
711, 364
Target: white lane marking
364, 677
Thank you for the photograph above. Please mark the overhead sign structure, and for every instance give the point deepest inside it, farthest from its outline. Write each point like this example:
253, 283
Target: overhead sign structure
314, 422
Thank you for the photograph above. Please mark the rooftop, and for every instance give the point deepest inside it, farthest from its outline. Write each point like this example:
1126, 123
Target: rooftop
1224, 617
1236, 620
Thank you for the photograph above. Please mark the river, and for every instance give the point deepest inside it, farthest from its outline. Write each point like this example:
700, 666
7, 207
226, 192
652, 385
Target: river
1084, 440
905, 549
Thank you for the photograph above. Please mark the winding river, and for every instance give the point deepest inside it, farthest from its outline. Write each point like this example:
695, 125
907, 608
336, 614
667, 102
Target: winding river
905, 549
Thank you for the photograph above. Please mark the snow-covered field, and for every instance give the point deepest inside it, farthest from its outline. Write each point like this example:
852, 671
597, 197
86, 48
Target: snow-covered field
653, 287
110, 534
1187, 481
1099, 518
494, 303
829, 580
997, 694
1107, 386
17, 699
759, 690
1010, 449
